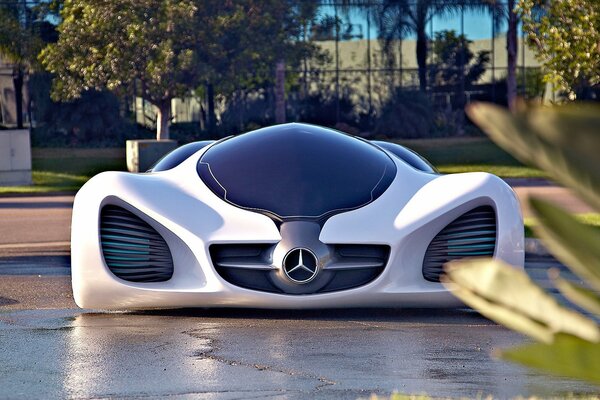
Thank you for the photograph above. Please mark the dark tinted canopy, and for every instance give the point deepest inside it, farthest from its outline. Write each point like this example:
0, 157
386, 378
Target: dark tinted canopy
296, 171
179, 155
408, 156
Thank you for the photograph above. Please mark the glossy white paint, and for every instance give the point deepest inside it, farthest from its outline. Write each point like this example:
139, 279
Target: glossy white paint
190, 217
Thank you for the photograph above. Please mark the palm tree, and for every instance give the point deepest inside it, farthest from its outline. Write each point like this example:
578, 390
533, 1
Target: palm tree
398, 18
505, 10
511, 49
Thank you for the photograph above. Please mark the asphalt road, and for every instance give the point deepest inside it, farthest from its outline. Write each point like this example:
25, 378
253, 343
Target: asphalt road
51, 349
31, 222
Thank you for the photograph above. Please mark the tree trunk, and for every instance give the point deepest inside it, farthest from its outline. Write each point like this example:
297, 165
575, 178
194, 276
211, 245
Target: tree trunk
30, 105
210, 99
422, 56
18, 85
162, 120
511, 48
242, 106
461, 95
203, 124
280, 93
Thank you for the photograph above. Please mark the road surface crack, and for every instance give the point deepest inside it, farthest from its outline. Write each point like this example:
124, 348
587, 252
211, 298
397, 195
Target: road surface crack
212, 348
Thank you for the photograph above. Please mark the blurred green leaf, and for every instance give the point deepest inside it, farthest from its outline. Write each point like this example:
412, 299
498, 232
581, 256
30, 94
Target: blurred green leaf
579, 295
564, 141
574, 243
508, 296
568, 356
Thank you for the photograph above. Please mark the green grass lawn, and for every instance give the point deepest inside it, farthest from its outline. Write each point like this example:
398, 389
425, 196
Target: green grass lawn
505, 171
592, 219
86, 162
66, 170
470, 154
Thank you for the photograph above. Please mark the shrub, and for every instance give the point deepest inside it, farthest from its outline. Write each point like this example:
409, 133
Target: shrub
408, 114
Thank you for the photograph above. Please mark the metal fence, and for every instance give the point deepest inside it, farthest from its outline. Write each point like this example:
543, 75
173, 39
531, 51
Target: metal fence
359, 68
360, 71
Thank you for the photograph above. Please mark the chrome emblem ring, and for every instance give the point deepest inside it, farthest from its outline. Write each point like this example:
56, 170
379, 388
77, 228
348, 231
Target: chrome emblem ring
300, 265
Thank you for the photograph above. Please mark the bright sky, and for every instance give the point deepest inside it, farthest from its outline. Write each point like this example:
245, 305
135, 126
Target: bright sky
477, 25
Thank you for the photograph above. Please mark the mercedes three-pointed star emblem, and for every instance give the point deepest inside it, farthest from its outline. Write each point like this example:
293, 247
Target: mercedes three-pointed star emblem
300, 265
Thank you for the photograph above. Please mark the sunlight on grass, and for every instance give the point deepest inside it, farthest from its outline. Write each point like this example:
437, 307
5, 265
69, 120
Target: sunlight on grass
504, 171
47, 182
66, 170
592, 219
456, 155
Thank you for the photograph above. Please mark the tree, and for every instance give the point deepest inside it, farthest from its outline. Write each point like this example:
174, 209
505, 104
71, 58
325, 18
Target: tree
168, 48
565, 34
258, 35
511, 56
453, 55
23, 33
455, 65
398, 18
138, 45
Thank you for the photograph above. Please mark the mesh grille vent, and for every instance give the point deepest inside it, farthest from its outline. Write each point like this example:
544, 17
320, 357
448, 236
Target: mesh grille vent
245, 265
356, 265
473, 234
132, 249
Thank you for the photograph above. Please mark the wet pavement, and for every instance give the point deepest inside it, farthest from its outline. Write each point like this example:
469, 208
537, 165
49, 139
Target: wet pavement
232, 354
52, 349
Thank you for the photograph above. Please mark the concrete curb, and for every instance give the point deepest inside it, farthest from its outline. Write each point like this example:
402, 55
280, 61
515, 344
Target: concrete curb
535, 246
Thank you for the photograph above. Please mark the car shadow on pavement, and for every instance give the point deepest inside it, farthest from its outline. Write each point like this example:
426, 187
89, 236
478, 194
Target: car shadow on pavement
36, 205
5, 301
55, 264
434, 316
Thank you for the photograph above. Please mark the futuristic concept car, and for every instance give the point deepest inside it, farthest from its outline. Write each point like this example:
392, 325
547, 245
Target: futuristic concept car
290, 216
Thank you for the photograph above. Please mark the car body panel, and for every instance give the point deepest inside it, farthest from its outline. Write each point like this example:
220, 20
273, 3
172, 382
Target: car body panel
190, 217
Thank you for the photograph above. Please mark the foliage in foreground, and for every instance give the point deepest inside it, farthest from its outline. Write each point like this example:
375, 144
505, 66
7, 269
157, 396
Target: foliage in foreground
591, 219
564, 142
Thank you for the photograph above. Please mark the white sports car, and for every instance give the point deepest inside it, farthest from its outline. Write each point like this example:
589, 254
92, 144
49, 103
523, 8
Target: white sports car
290, 216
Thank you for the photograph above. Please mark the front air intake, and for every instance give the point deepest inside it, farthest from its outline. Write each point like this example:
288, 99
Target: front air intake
251, 266
245, 265
132, 249
473, 234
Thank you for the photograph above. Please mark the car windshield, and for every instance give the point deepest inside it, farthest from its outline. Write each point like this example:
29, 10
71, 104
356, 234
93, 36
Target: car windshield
297, 171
